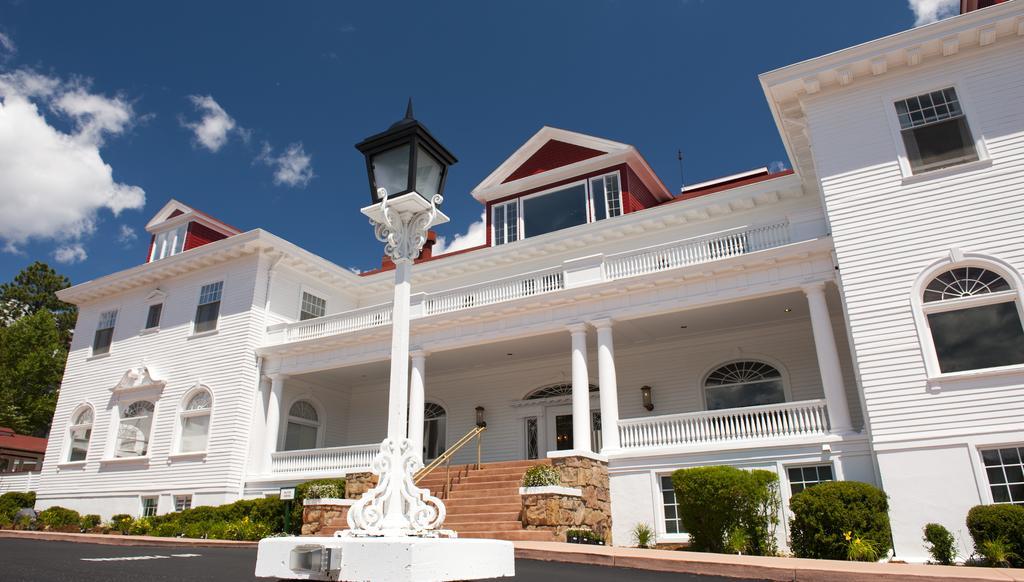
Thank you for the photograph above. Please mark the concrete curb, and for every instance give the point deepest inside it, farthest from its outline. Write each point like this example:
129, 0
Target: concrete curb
756, 567
122, 540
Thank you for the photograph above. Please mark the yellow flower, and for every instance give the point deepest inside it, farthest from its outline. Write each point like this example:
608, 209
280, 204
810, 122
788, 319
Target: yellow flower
847, 535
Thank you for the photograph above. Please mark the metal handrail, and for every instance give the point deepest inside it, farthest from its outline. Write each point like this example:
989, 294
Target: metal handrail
446, 458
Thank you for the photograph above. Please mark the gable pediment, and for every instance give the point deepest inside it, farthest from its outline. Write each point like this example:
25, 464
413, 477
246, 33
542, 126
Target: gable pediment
553, 154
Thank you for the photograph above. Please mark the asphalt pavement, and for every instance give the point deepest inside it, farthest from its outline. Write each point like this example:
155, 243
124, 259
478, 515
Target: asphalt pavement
43, 561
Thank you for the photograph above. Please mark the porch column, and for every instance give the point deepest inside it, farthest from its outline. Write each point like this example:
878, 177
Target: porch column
273, 420
828, 358
608, 384
416, 400
580, 388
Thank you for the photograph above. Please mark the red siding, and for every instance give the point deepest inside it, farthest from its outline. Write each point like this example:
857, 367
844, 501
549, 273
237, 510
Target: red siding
551, 155
149, 253
175, 213
636, 194
199, 235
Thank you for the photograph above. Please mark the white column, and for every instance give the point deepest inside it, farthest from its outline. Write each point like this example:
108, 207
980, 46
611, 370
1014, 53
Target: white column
259, 426
608, 384
416, 401
828, 358
273, 419
580, 389
398, 393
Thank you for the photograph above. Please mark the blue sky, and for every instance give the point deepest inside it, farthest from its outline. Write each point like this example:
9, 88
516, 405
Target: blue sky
249, 111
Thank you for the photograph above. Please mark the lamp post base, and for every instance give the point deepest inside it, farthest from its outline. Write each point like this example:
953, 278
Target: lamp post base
384, 559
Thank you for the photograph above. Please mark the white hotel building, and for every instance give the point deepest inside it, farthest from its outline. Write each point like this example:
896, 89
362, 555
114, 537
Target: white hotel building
857, 318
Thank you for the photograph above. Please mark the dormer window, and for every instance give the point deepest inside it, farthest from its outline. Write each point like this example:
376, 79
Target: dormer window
562, 207
168, 243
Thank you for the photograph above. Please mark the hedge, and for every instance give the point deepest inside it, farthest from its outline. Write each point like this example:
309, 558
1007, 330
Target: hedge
12, 502
824, 514
989, 523
729, 509
59, 518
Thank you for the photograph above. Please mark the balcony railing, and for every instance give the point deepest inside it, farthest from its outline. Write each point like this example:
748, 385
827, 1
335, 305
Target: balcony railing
518, 287
789, 419
682, 253
694, 251
333, 459
20, 482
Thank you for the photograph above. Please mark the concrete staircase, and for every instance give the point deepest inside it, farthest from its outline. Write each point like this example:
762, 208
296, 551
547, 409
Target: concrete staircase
485, 502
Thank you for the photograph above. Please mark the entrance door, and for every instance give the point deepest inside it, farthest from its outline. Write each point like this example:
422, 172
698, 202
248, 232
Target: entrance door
559, 428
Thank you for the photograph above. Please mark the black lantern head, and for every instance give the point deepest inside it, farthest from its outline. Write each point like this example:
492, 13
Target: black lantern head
406, 158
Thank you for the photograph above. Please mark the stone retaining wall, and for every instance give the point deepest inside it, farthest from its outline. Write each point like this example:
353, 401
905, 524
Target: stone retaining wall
316, 518
561, 513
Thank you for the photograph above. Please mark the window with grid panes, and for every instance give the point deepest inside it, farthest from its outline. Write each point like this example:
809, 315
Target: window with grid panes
801, 478
606, 196
505, 222
312, 306
209, 307
104, 332
182, 502
934, 130
673, 523
149, 505
1005, 471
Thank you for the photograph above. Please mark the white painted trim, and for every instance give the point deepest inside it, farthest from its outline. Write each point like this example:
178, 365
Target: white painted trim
577, 453
328, 501
746, 357
182, 414
318, 292
66, 445
286, 417
551, 490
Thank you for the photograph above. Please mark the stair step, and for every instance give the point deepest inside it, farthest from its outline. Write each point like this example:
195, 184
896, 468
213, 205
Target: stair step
532, 535
504, 501
487, 526
470, 517
460, 493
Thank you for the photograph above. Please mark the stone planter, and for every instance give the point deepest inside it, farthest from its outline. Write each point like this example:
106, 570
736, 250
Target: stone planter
321, 514
581, 502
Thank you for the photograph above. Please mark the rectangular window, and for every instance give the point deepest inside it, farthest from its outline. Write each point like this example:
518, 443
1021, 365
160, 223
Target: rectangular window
182, 502
673, 523
104, 332
1005, 471
79, 443
606, 196
312, 306
168, 243
556, 210
505, 222
986, 336
149, 506
209, 307
935, 131
801, 478
153, 316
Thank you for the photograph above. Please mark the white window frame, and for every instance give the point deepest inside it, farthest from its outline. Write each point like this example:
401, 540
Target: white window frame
320, 426
447, 424
92, 343
788, 484
965, 100
747, 357
317, 293
607, 209
519, 222
142, 505
72, 426
199, 296
174, 501
920, 309
165, 241
183, 413
661, 534
118, 416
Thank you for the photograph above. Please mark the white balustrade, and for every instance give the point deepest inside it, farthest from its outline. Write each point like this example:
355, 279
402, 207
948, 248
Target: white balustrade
518, 287
19, 482
344, 322
789, 419
694, 251
355, 457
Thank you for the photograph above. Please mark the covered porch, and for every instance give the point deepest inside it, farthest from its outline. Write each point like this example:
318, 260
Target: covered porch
750, 373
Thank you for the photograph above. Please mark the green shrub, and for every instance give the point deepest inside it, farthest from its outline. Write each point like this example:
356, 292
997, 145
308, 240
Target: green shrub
643, 535
89, 521
13, 501
121, 522
861, 549
721, 500
301, 494
541, 476
997, 553
1000, 523
941, 544
141, 526
57, 518
324, 491
824, 515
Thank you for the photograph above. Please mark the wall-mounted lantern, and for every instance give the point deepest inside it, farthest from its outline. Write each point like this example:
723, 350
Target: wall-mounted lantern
480, 416
645, 392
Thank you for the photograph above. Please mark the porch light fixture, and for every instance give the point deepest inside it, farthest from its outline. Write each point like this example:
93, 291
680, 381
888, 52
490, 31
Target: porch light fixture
645, 392
480, 417
405, 159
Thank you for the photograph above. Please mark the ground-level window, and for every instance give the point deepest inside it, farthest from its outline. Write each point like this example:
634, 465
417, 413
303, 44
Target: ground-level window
743, 383
149, 506
182, 502
673, 522
1005, 471
801, 478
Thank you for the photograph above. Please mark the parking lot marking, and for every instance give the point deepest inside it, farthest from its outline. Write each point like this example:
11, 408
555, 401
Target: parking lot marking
131, 558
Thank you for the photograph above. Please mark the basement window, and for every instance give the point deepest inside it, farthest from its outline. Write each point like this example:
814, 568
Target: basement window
935, 131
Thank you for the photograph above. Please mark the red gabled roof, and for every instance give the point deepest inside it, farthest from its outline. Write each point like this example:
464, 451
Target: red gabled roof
727, 185
18, 442
553, 154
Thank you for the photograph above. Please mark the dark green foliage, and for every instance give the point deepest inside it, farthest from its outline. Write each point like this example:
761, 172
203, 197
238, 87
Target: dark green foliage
121, 522
995, 523
941, 544
825, 513
34, 289
12, 501
59, 518
721, 500
89, 521
301, 493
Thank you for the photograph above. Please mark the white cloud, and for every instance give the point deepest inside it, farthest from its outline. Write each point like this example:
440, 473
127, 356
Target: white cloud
7, 44
776, 166
215, 126
54, 183
927, 11
70, 254
474, 236
293, 168
126, 235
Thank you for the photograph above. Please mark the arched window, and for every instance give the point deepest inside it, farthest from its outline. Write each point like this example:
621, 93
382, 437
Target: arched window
79, 434
303, 426
195, 421
435, 424
134, 428
974, 319
553, 391
743, 383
